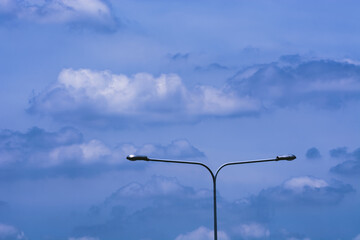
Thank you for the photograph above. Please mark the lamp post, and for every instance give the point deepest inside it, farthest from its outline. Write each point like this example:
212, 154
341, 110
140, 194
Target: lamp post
214, 176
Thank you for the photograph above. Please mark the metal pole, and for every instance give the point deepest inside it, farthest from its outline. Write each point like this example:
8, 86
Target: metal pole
213, 176
215, 209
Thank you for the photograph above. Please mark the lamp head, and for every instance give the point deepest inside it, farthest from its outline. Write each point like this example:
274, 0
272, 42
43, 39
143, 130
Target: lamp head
289, 157
137, 157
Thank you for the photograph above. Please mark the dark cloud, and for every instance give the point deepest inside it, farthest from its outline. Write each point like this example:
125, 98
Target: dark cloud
179, 56
339, 152
351, 165
290, 82
313, 153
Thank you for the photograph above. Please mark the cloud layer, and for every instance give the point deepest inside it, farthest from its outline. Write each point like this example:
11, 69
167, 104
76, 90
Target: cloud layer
164, 198
38, 153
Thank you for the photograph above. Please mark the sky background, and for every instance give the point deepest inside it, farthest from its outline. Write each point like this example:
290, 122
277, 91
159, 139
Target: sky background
86, 82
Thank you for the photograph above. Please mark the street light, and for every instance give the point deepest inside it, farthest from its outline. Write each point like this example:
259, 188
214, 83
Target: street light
214, 176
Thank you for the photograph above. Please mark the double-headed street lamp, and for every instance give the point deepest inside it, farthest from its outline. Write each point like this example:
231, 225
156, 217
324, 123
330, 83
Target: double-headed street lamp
214, 176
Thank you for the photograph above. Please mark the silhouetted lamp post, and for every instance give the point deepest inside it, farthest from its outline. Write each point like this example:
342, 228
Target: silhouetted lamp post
214, 176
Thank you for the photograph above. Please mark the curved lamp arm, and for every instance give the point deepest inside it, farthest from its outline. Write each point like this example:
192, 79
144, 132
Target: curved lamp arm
289, 157
145, 158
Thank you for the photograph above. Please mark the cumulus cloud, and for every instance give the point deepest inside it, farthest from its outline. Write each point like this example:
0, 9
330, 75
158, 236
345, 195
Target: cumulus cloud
202, 233
351, 165
313, 153
8, 232
79, 13
38, 152
104, 98
103, 95
252, 231
293, 81
304, 190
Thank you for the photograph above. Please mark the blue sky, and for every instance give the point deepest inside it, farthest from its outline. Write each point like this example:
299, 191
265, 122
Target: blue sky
86, 82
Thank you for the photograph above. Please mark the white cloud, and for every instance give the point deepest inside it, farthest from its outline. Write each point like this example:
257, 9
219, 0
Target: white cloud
202, 233
86, 153
298, 184
142, 96
252, 230
10, 232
